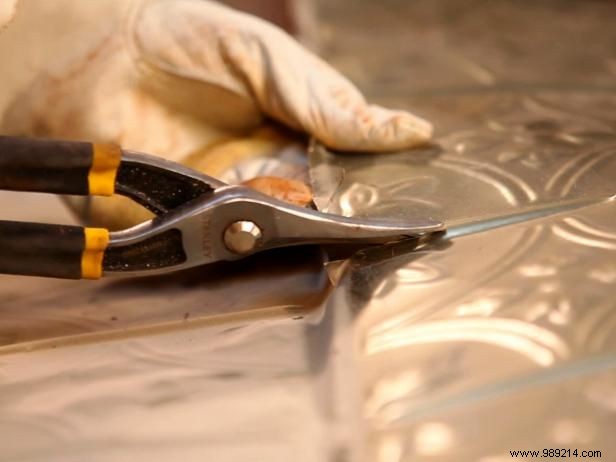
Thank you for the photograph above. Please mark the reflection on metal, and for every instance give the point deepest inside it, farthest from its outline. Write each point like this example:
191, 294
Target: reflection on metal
433, 438
537, 344
580, 233
512, 312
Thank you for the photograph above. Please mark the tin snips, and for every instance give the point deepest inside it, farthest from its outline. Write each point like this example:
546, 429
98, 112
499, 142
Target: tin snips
198, 219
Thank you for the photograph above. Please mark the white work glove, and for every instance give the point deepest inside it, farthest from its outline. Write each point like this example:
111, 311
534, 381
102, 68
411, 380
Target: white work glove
270, 73
179, 78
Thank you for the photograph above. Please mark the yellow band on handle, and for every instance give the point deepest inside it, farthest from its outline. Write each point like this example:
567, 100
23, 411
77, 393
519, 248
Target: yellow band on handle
97, 240
105, 162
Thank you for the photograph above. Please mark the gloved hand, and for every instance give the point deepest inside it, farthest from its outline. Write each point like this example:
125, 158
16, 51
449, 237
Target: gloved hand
179, 78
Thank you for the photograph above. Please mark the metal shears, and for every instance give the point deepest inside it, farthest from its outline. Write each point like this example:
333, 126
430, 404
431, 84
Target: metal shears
198, 219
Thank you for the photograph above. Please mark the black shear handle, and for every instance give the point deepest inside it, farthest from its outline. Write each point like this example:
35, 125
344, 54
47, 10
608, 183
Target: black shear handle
60, 167
36, 249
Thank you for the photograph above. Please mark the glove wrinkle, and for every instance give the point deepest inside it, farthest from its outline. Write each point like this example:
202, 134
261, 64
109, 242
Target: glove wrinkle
177, 48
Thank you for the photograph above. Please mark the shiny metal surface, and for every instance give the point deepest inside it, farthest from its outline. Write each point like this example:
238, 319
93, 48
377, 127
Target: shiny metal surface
242, 236
500, 338
512, 323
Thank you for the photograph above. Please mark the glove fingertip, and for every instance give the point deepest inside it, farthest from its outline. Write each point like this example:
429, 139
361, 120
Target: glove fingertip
413, 129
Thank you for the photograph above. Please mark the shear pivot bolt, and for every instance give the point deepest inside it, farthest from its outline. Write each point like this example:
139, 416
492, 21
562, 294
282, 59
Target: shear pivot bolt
242, 237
